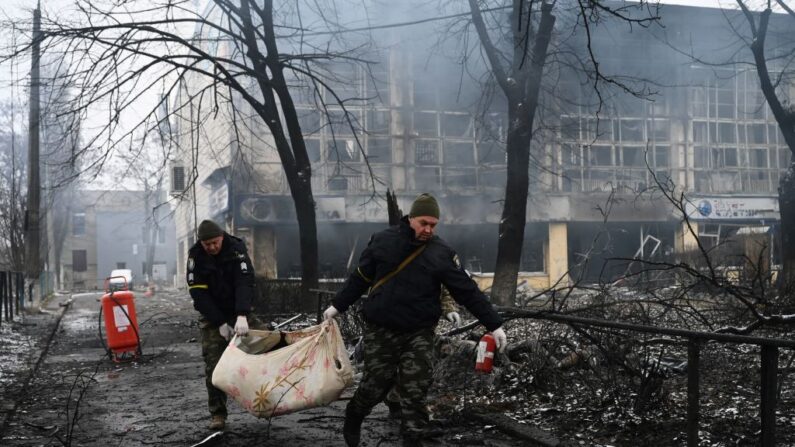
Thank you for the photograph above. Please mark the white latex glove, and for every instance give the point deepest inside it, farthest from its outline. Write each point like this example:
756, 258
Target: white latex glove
225, 331
330, 313
241, 326
500, 338
454, 317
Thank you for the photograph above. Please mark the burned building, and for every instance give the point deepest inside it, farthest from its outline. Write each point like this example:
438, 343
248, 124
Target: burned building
417, 120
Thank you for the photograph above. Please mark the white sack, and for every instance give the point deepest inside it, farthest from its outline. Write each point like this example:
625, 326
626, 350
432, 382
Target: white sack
311, 371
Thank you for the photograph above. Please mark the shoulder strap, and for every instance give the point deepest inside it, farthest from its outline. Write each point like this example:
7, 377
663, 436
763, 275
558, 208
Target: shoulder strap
402, 265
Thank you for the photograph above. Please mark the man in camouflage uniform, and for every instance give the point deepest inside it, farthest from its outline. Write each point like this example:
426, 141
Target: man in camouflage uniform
404, 268
220, 280
450, 312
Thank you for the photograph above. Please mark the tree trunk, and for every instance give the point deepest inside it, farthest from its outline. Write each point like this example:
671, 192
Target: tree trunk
292, 151
514, 211
786, 203
785, 117
522, 105
307, 231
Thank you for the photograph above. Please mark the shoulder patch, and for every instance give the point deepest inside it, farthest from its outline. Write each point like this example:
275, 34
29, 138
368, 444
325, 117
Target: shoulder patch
191, 264
456, 261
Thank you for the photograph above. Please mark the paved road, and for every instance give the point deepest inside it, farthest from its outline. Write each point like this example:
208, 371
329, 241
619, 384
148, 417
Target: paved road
78, 396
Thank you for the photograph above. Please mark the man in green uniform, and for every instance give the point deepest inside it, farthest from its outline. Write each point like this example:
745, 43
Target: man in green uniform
221, 282
404, 267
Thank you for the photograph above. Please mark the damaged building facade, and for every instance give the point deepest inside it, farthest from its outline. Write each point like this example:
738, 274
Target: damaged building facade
425, 127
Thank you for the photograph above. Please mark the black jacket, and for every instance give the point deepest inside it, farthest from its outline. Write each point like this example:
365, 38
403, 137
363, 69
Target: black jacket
222, 286
410, 300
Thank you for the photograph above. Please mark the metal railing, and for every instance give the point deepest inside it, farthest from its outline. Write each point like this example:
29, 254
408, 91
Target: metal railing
695, 339
12, 294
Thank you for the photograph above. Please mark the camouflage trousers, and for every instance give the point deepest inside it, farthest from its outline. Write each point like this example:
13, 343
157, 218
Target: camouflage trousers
402, 360
213, 346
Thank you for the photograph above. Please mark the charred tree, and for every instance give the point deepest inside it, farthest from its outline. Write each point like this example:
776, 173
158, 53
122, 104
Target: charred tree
393, 210
785, 117
520, 83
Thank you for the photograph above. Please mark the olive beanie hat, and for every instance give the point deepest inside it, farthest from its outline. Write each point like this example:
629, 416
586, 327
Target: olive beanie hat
424, 205
208, 230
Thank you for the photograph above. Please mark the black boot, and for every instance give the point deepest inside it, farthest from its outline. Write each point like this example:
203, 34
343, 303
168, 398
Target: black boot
413, 440
352, 430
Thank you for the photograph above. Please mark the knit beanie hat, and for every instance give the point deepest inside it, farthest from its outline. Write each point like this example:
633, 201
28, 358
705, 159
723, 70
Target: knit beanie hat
424, 205
208, 230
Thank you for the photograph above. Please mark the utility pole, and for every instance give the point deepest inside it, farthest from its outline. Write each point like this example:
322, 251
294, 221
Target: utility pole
32, 260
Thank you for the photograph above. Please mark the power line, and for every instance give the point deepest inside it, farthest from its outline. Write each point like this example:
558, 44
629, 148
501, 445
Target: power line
401, 24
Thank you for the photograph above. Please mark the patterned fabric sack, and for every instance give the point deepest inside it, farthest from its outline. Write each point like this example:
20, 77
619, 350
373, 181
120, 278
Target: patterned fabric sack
311, 371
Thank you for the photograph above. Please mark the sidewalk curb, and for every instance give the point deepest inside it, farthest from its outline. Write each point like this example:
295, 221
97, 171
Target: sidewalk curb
12, 412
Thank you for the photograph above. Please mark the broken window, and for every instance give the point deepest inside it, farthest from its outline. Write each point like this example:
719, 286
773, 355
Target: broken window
756, 105
458, 154
730, 156
342, 150
378, 121
632, 130
601, 129
491, 152
426, 152
426, 178
725, 102
313, 149
601, 156
698, 101
492, 127
341, 122
631, 106
426, 124
633, 156
458, 125
757, 133
701, 157
783, 158
661, 130
377, 84
773, 132
569, 128
726, 133
570, 155
309, 120
758, 158
379, 150
700, 132
661, 156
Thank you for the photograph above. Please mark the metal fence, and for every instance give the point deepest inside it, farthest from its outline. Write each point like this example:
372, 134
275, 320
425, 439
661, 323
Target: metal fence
12, 295
695, 341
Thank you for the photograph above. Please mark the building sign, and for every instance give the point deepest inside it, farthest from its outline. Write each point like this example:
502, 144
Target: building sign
732, 208
330, 208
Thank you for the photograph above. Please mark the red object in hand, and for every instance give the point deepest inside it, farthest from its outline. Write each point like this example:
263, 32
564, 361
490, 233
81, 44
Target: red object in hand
484, 362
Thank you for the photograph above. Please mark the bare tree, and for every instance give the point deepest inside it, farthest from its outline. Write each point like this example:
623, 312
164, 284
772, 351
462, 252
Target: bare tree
13, 196
123, 50
773, 87
517, 54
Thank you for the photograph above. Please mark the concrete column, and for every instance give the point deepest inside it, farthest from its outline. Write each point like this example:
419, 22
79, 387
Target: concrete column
558, 254
264, 253
686, 239
400, 101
